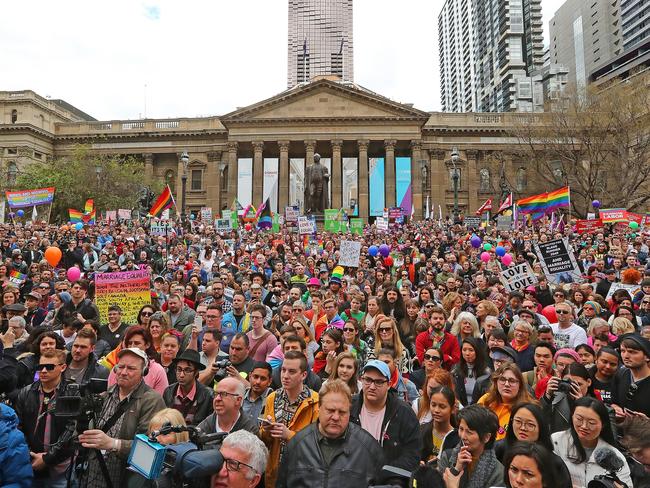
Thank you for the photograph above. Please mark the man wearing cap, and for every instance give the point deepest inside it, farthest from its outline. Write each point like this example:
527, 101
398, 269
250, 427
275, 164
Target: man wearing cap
35, 314
192, 399
128, 407
631, 387
604, 285
392, 423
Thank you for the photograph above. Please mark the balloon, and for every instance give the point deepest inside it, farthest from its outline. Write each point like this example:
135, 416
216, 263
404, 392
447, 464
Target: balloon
12, 215
53, 255
78, 226
192, 216
73, 273
475, 241
595, 204
20, 212
500, 251
634, 225
373, 250
487, 246
485, 257
549, 312
248, 227
507, 259
388, 261
384, 250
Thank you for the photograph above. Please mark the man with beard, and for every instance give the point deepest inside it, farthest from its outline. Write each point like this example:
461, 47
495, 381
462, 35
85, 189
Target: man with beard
437, 337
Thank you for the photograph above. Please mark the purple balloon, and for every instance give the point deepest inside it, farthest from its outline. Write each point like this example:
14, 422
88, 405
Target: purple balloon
475, 241
595, 204
384, 250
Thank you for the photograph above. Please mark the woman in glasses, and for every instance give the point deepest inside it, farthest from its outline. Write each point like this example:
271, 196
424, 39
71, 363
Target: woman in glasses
507, 389
527, 424
432, 361
353, 344
387, 336
145, 313
590, 428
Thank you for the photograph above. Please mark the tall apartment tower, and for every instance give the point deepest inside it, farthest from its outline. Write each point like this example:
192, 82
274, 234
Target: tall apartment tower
456, 49
509, 47
635, 16
585, 35
320, 40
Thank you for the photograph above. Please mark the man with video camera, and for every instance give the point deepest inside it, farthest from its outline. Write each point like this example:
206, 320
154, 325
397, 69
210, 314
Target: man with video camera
34, 406
127, 409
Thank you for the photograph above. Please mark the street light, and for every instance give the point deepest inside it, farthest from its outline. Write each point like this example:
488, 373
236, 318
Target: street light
98, 173
454, 160
185, 159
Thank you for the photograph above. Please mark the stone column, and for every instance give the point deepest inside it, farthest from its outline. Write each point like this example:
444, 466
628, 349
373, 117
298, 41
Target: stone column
220, 194
258, 173
364, 201
212, 181
416, 179
148, 168
336, 179
439, 182
233, 172
472, 183
283, 170
179, 183
389, 185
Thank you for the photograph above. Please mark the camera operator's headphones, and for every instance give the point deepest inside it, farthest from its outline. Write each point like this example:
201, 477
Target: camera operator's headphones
137, 352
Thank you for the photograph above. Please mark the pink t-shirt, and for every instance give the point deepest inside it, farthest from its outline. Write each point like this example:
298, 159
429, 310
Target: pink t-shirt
371, 421
266, 346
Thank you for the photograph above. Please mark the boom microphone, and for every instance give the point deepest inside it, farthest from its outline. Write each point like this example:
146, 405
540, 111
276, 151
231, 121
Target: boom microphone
607, 459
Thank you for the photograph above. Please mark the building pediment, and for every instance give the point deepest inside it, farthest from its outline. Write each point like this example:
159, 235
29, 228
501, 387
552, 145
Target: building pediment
325, 99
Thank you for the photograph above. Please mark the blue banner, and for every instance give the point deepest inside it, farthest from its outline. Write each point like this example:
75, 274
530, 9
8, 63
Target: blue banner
403, 184
376, 186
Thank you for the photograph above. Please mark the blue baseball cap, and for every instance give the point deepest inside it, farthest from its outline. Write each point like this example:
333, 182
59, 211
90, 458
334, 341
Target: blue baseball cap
380, 366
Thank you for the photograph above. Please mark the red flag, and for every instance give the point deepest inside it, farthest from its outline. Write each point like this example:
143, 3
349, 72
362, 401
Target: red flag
506, 204
486, 207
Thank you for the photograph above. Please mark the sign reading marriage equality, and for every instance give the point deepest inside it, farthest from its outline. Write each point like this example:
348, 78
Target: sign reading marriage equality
558, 261
29, 198
128, 289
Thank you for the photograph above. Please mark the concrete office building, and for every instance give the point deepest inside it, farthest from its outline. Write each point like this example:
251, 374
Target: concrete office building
320, 40
456, 54
635, 17
584, 35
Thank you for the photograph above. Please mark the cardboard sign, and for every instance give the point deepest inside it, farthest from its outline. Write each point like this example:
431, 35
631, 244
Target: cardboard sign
382, 223
518, 277
223, 225
504, 222
349, 253
128, 289
159, 228
291, 214
356, 226
306, 225
124, 213
585, 226
472, 222
558, 261
612, 215
111, 215
206, 214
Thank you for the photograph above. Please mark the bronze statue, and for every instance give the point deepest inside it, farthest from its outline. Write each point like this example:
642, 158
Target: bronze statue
316, 187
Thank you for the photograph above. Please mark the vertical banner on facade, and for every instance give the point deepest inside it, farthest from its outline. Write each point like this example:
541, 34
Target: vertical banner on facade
270, 185
245, 183
297, 182
376, 186
403, 187
128, 289
351, 186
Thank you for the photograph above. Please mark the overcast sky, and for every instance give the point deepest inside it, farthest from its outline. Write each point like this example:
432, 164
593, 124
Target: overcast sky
203, 57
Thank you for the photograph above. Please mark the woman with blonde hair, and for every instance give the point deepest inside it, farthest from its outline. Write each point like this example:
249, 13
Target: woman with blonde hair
452, 304
304, 331
621, 325
485, 308
387, 336
508, 389
465, 326
158, 326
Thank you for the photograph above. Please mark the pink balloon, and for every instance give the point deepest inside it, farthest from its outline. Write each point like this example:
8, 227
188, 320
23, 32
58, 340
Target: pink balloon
485, 257
74, 274
507, 259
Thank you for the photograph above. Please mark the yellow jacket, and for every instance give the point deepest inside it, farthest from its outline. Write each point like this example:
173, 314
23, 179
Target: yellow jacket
306, 414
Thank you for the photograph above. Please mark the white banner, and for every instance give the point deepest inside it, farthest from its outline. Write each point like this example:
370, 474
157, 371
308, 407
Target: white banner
223, 225
382, 223
350, 253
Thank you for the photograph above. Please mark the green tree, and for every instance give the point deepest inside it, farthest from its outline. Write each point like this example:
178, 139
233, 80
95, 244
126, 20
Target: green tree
113, 181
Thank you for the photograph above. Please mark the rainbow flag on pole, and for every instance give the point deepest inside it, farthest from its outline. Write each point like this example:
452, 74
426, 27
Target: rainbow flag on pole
164, 201
545, 202
75, 215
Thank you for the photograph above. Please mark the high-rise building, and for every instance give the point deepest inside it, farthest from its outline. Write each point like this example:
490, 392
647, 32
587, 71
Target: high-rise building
320, 40
509, 47
456, 50
635, 17
585, 35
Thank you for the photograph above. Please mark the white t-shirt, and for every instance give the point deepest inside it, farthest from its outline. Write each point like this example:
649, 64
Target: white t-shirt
371, 421
570, 337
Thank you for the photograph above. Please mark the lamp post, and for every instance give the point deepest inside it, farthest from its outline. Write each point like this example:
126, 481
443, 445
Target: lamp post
425, 186
185, 159
98, 174
455, 176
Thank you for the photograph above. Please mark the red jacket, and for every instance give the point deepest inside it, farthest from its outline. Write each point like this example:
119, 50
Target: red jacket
448, 346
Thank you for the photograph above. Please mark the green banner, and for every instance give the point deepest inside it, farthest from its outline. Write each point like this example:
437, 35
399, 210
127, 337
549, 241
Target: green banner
276, 223
229, 214
332, 223
356, 225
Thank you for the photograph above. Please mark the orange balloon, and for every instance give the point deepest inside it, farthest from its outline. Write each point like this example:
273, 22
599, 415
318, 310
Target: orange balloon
53, 255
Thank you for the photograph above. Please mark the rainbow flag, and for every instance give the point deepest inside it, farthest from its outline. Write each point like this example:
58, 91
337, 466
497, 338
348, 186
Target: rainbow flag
265, 217
89, 206
75, 215
164, 201
545, 202
17, 277
89, 218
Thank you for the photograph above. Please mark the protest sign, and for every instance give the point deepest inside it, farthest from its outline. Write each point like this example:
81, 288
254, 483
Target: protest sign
472, 222
504, 222
291, 214
111, 215
17, 278
631, 289
226, 214
128, 289
518, 277
223, 225
589, 225
612, 215
206, 214
306, 225
332, 223
124, 213
159, 228
29, 198
356, 226
382, 223
558, 261
350, 252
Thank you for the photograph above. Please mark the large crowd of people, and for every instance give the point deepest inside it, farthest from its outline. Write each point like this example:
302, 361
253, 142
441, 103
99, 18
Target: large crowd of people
418, 367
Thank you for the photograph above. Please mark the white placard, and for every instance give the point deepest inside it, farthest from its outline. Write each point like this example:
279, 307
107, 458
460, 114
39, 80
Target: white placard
223, 225
350, 253
291, 213
518, 277
382, 223
306, 225
206, 214
159, 228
